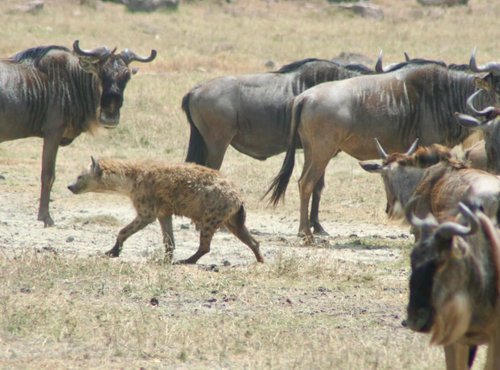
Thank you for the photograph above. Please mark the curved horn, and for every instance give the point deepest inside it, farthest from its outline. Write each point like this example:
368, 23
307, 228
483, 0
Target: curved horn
428, 222
129, 56
484, 112
381, 151
493, 67
407, 57
467, 121
413, 147
448, 229
378, 66
99, 52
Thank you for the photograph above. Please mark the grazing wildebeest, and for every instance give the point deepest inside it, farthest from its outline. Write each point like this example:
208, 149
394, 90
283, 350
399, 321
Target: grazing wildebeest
397, 107
56, 94
437, 179
489, 124
455, 286
159, 190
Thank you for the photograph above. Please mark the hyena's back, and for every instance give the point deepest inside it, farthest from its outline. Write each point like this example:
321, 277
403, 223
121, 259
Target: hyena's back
186, 190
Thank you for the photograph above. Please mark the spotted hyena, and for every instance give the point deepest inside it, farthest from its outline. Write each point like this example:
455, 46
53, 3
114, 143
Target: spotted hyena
159, 190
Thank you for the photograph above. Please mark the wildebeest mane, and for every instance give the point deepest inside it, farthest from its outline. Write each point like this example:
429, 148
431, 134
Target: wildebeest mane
34, 54
415, 62
361, 68
427, 156
299, 63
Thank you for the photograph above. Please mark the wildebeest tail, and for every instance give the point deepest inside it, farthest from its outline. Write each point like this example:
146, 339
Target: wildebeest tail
280, 182
197, 150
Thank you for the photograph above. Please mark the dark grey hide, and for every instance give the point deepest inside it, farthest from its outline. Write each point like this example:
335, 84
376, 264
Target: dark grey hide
56, 94
252, 112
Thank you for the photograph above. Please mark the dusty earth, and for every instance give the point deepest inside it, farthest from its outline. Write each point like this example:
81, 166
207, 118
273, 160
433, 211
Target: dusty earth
88, 224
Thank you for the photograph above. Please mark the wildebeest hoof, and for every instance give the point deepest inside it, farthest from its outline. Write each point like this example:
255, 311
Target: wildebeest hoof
184, 262
112, 253
306, 239
318, 230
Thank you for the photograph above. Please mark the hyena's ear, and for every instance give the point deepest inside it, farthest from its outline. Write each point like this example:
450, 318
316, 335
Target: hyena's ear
96, 169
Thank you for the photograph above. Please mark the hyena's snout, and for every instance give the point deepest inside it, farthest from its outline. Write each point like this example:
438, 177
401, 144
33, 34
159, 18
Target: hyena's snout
72, 188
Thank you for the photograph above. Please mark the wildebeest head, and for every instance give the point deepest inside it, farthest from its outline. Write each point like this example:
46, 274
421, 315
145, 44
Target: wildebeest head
113, 72
439, 302
488, 122
399, 179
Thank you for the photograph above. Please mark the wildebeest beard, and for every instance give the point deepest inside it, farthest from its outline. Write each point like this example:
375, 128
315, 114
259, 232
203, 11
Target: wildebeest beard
420, 310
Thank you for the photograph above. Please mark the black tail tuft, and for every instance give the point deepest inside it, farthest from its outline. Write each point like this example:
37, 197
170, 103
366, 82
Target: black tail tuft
280, 182
197, 150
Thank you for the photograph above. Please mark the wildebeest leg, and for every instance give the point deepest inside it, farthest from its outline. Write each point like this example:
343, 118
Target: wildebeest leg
217, 135
168, 236
242, 233
133, 227
457, 356
316, 197
50, 146
215, 153
314, 169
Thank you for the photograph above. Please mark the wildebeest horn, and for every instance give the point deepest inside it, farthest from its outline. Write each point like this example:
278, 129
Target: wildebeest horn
100, 52
378, 66
448, 229
381, 151
493, 67
428, 222
484, 112
129, 56
467, 121
413, 147
407, 57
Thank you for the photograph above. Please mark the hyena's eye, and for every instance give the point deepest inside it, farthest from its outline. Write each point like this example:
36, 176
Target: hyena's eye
79, 177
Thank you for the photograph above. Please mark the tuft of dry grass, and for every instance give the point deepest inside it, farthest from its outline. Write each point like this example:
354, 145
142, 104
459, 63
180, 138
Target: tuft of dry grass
96, 312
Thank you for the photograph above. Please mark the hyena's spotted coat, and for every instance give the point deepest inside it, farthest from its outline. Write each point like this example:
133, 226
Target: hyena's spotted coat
159, 190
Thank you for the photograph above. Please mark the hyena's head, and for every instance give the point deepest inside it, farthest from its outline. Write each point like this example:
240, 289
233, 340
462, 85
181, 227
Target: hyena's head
88, 180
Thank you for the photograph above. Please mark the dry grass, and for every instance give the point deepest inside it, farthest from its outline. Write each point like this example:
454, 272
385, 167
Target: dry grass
306, 309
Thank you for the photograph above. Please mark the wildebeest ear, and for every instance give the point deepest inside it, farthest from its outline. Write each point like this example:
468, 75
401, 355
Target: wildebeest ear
90, 64
96, 168
371, 166
483, 81
135, 70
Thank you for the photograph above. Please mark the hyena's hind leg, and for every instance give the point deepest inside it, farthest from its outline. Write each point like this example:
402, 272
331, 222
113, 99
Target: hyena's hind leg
208, 226
168, 237
133, 227
236, 224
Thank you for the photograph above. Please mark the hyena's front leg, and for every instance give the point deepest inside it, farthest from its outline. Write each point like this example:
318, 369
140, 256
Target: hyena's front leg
168, 237
133, 227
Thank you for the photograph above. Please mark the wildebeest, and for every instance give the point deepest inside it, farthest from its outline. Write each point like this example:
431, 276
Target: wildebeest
489, 124
437, 179
397, 107
455, 286
159, 190
252, 112
56, 94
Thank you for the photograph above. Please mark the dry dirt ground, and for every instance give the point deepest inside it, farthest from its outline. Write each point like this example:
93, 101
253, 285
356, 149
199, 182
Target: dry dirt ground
88, 224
